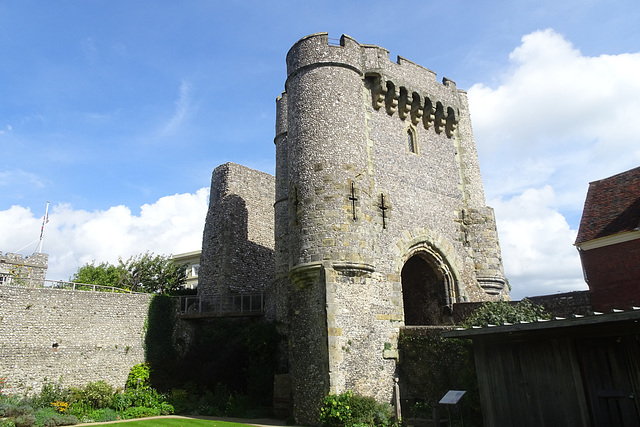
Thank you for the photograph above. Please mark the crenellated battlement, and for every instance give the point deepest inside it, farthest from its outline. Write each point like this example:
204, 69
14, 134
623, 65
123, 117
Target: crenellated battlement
17, 270
411, 104
35, 260
402, 87
317, 50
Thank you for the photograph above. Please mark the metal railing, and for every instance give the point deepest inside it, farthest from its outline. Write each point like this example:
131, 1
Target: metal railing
17, 281
241, 304
72, 286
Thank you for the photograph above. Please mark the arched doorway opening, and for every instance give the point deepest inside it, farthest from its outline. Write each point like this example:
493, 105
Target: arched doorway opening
424, 291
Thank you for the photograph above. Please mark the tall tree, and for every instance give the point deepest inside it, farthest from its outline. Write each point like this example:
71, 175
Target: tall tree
103, 274
140, 273
149, 273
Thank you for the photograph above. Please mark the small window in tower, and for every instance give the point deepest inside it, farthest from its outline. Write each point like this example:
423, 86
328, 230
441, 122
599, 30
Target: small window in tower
411, 141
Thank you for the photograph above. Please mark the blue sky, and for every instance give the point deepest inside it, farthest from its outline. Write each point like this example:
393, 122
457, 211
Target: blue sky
117, 112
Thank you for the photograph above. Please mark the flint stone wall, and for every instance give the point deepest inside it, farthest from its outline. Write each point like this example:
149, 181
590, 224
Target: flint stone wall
23, 271
237, 244
75, 336
356, 200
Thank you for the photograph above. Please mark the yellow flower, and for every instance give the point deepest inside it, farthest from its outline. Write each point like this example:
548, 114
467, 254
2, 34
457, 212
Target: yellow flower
60, 406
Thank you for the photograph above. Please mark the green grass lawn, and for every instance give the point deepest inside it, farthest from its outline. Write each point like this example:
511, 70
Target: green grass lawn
174, 422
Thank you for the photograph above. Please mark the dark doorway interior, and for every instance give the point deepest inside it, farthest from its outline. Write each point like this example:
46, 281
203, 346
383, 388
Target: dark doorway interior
423, 292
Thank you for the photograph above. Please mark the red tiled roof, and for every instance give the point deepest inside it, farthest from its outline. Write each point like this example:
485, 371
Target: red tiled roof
612, 206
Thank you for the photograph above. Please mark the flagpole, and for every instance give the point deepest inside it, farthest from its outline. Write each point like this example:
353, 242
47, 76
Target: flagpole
45, 220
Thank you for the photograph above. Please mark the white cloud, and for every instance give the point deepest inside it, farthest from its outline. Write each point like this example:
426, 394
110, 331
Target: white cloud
18, 228
555, 96
575, 115
537, 245
556, 121
181, 110
172, 225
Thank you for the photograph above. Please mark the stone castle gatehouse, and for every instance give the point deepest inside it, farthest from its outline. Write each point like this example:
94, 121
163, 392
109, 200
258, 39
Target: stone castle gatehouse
379, 217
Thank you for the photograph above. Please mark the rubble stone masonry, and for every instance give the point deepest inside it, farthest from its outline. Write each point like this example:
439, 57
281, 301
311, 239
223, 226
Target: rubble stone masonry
237, 244
375, 165
72, 336
27, 271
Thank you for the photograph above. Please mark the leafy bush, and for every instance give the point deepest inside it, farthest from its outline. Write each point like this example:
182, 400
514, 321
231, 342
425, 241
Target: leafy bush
104, 415
180, 400
50, 392
421, 410
19, 415
366, 410
351, 410
24, 420
501, 312
212, 403
80, 409
48, 417
121, 401
95, 402
44, 414
237, 405
97, 394
166, 408
139, 376
23, 415
147, 397
335, 410
141, 412
3, 408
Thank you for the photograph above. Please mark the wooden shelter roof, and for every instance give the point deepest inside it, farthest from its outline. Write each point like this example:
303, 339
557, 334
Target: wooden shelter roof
616, 322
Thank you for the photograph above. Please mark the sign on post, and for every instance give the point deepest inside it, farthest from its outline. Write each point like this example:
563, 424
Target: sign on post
452, 397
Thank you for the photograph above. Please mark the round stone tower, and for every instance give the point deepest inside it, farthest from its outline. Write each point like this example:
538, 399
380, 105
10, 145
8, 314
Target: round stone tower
327, 153
380, 215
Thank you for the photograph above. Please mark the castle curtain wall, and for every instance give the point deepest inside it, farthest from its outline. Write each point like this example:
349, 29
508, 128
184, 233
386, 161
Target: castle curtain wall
72, 336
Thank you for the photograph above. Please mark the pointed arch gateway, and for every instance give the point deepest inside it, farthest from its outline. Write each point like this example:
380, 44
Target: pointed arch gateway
428, 287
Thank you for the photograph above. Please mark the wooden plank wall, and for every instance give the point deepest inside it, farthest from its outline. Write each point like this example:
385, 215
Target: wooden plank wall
611, 379
532, 383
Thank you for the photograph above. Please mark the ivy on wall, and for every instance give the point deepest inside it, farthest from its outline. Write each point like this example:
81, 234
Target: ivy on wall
429, 367
160, 351
237, 353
